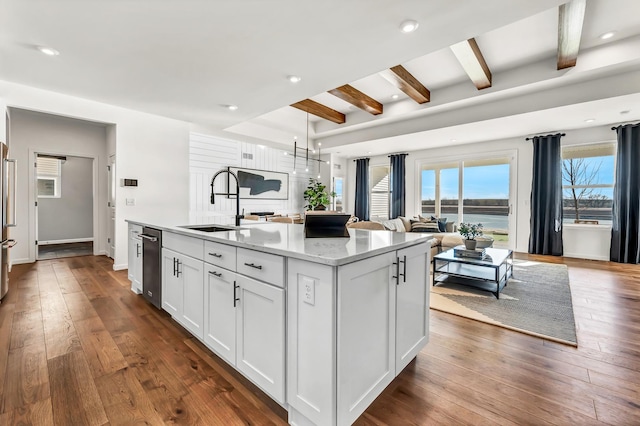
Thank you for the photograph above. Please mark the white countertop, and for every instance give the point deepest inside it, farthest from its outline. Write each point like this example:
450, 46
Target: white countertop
288, 240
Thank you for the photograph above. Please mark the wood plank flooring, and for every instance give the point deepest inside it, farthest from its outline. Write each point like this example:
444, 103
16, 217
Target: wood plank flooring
78, 347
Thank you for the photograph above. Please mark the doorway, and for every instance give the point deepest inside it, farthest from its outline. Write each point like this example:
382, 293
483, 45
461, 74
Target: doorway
64, 205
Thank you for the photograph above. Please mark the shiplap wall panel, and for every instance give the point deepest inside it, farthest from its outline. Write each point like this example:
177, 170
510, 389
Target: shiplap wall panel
208, 155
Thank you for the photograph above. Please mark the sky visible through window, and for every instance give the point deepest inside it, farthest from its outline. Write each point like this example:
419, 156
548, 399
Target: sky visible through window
480, 182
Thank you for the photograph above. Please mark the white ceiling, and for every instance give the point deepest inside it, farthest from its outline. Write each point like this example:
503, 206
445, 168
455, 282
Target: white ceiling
187, 59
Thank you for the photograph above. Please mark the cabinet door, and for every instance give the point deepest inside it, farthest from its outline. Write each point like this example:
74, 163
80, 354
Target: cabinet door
190, 271
134, 272
412, 312
220, 312
366, 333
171, 284
260, 335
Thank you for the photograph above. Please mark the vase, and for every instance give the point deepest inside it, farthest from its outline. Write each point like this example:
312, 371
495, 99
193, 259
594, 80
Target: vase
319, 207
470, 244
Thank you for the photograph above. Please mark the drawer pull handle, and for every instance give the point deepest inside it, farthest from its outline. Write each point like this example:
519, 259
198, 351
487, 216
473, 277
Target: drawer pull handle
216, 274
218, 255
252, 265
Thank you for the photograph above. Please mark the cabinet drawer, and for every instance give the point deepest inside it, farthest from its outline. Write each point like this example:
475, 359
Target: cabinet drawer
222, 255
193, 247
135, 231
263, 266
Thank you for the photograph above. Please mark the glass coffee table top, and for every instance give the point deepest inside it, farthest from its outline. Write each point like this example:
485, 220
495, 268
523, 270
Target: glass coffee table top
494, 257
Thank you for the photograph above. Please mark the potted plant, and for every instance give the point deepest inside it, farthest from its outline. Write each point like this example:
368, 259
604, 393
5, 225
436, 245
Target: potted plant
470, 231
316, 195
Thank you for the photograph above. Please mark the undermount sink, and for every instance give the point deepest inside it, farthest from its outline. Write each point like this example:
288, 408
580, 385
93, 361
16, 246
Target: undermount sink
210, 228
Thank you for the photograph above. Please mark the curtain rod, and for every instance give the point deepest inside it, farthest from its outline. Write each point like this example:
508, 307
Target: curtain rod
363, 158
561, 134
399, 153
622, 125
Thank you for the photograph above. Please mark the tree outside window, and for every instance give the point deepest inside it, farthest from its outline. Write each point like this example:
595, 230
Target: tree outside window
587, 183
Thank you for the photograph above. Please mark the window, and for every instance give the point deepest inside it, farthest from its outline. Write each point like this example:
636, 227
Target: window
379, 192
337, 188
474, 190
587, 183
49, 174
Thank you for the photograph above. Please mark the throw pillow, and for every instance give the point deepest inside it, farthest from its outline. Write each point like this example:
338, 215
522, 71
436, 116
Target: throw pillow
442, 223
418, 226
406, 222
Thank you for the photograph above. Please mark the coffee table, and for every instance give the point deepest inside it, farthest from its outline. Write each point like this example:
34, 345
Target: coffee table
488, 274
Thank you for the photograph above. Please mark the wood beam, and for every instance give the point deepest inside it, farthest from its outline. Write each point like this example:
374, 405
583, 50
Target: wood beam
355, 97
405, 81
470, 57
319, 110
570, 20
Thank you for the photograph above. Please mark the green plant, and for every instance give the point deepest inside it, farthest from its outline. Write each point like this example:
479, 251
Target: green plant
470, 230
316, 195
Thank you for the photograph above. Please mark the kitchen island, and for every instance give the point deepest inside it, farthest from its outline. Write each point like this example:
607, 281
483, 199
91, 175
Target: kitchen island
322, 325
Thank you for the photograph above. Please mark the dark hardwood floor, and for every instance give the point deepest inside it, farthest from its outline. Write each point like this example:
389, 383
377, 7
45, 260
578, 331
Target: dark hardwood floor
78, 347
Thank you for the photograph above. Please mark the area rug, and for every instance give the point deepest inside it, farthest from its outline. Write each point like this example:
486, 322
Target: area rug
536, 301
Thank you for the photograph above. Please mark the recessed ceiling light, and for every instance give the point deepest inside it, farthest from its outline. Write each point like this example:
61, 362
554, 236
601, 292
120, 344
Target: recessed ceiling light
48, 51
454, 140
607, 35
589, 120
368, 152
408, 26
232, 107
294, 78
396, 96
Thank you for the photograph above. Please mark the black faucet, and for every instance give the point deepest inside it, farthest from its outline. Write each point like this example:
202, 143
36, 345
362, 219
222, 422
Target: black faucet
237, 194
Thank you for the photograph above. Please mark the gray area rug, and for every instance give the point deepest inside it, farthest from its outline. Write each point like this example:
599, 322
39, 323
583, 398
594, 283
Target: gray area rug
536, 301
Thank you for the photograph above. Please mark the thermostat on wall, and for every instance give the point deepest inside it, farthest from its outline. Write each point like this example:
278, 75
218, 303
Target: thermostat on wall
129, 182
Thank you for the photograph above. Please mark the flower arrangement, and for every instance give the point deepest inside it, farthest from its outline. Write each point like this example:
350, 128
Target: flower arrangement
470, 230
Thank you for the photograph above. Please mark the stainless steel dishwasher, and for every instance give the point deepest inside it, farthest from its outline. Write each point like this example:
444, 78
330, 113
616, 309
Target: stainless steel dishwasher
152, 265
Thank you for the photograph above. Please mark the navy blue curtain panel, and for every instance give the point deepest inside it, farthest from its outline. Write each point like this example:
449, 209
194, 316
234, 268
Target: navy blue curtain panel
625, 229
546, 196
362, 189
398, 189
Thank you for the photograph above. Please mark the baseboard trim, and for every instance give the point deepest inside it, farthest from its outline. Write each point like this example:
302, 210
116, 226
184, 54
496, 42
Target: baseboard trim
120, 267
71, 240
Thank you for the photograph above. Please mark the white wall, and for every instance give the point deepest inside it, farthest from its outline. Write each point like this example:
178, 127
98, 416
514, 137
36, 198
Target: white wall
150, 148
209, 154
523, 174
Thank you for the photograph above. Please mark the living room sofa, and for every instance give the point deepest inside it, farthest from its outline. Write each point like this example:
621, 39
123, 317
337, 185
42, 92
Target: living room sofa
440, 241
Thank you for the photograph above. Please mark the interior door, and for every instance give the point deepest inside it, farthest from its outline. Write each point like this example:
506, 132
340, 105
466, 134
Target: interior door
111, 205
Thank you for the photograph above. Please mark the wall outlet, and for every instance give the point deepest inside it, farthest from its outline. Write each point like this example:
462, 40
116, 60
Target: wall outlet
308, 291
130, 201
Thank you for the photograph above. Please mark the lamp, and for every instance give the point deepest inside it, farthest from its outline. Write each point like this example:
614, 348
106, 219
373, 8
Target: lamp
305, 151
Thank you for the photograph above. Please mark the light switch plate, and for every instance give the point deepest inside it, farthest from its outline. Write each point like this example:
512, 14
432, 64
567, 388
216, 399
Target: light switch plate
130, 201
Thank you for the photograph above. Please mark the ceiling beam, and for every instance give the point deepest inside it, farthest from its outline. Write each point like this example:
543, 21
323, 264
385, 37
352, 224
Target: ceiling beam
319, 110
570, 19
405, 81
470, 57
355, 97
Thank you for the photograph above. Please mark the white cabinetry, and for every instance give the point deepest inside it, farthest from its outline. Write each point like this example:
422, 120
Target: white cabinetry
361, 323
135, 258
183, 281
412, 304
245, 323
